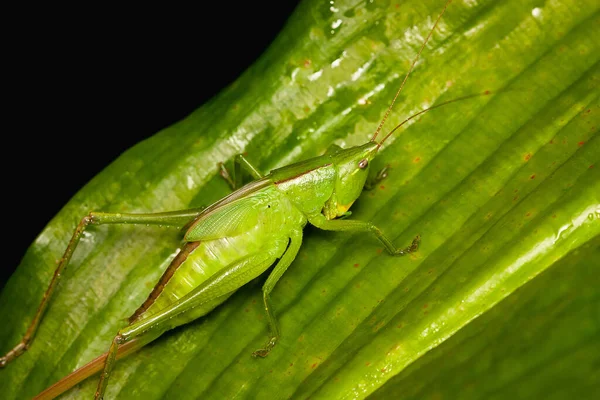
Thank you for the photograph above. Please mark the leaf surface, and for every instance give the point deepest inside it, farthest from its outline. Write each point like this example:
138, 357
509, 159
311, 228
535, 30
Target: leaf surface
501, 188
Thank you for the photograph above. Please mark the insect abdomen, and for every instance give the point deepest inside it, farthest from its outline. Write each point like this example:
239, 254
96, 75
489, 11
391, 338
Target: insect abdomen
274, 217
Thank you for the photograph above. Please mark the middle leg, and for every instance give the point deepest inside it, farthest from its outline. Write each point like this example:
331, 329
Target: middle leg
283, 264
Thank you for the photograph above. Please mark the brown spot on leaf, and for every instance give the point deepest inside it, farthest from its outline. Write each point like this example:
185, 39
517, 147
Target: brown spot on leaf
580, 143
527, 157
356, 265
532, 176
417, 159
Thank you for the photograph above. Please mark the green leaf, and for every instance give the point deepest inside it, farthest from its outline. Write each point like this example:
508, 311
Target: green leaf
501, 188
537, 343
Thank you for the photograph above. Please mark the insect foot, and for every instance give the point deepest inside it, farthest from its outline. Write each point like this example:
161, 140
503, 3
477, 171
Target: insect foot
14, 353
414, 246
374, 181
226, 175
262, 353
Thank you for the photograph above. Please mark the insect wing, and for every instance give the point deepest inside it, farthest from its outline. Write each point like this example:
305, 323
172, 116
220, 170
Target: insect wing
235, 214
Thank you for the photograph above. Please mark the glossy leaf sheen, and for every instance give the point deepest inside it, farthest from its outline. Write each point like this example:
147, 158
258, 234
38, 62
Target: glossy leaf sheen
501, 188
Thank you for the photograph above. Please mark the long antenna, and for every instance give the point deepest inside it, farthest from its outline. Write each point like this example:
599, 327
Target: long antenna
487, 92
387, 113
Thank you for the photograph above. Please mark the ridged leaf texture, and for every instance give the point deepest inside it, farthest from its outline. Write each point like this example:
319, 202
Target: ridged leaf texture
500, 301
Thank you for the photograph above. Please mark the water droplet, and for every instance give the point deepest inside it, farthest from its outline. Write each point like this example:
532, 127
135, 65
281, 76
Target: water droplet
315, 76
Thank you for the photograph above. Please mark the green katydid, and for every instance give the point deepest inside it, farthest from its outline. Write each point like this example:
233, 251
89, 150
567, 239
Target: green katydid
233, 241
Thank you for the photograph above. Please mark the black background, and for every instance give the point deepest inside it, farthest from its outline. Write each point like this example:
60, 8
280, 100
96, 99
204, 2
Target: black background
72, 76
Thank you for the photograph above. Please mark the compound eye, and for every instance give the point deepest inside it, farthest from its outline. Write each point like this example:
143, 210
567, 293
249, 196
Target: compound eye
363, 163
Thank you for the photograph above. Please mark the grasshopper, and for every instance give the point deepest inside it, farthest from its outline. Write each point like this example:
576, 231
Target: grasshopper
235, 240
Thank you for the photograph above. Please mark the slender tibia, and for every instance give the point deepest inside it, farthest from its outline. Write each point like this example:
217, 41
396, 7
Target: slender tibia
92, 368
226, 175
278, 271
239, 162
360, 226
109, 363
175, 219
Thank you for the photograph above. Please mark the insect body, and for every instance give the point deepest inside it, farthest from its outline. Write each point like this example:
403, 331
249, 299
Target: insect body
238, 238
231, 242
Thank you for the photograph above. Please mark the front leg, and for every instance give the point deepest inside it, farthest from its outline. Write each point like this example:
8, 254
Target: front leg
239, 162
371, 183
321, 222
